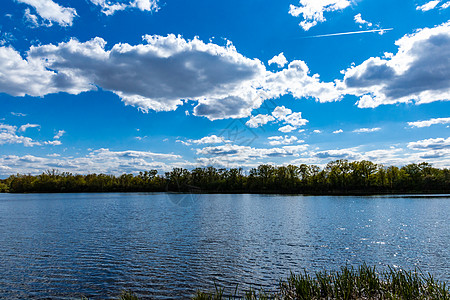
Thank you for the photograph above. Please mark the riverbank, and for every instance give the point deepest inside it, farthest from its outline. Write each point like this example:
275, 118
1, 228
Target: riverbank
336, 178
363, 282
349, 283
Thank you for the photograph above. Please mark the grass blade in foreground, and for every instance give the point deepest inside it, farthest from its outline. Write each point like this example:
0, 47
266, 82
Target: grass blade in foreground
363, 282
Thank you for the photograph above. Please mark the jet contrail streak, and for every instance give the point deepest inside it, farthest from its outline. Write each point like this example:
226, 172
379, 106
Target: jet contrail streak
347, 33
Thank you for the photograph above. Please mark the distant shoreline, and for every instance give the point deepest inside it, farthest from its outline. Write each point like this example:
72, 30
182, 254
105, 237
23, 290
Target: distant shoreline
426, 194
339, 177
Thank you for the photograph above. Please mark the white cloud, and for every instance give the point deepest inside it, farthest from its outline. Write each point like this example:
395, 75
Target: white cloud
287, 128
51, 12
160, 74
18, 114
445, 5
317, 131
96, 161
431, 144
419, 72
106, 153
156, 76
428, 6
236, 153
31, 18
110, 7
395, 156
359, 20
283, 140
312, 10
349, 154
279, 60
280, 112
53, 143
428, 123
59, 134
8, 135
259, 120
295, 119
338, 131
292, 120
21, 77
366, 130
23, 128
212, 139
296, 81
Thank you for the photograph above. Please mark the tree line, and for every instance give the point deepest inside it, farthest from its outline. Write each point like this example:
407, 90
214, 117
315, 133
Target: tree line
337, 177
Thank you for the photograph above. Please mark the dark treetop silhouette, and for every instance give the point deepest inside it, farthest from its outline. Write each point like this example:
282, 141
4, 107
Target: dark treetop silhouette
338, 177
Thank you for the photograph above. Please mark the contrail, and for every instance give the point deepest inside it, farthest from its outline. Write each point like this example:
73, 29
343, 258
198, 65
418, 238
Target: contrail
347, 33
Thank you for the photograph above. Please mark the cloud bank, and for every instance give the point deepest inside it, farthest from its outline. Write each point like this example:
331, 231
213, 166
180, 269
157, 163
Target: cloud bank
165, 71
428, 123
419, 71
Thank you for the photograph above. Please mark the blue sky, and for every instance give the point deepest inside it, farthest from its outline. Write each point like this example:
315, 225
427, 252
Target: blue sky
128, 86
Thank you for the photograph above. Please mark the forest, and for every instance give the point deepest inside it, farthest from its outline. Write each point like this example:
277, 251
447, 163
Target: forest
337, 177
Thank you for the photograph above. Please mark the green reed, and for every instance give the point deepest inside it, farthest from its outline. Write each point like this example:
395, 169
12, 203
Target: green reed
363, 282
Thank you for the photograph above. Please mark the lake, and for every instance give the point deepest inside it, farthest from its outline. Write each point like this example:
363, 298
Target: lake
169, 245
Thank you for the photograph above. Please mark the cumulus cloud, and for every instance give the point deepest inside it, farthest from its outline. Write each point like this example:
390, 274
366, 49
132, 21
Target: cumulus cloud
59, 134
419, 72
296, 81
110, 7
212, 139
56, 141
156, 76
366, 130
53, 143
23, 128
338, 131
51, 12
163, 72
283, 140
428, 6
237, 153
317, 131
287, 128
428, 123
359, 20
21, 77
312, 11
338, 154
295, 119
96, 161
259, 120
160, 75
280, 112
292, 120
8, 135
431, 144
106, 153
445, 5
279, 60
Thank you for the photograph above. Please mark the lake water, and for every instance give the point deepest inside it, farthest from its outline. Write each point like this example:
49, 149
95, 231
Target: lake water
170, 245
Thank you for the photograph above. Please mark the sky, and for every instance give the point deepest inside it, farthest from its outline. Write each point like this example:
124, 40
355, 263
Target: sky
123, 86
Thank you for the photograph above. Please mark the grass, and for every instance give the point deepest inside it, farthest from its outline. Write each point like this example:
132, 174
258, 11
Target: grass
125, 295
363, 282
